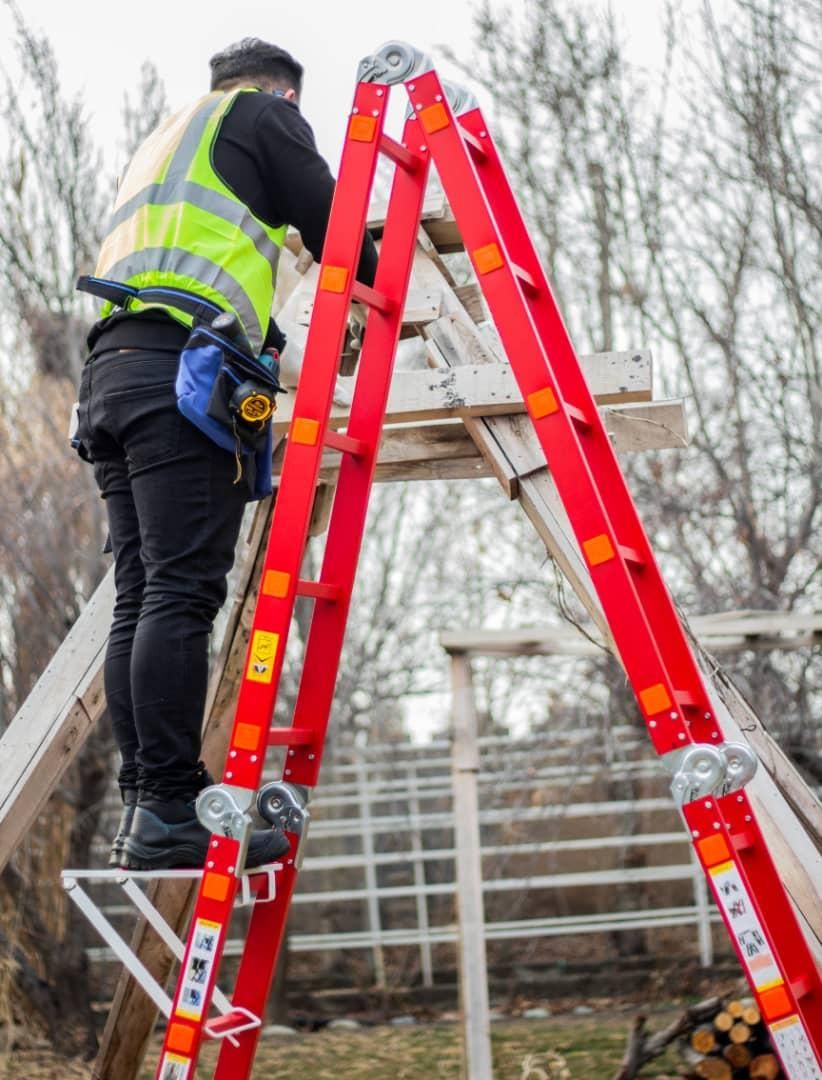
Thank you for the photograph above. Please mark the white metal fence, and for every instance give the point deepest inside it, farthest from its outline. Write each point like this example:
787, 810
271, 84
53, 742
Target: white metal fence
381, 850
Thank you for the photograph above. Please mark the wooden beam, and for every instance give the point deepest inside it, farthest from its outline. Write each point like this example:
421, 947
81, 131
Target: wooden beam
729, 631
444, 450
491, 389
52, 724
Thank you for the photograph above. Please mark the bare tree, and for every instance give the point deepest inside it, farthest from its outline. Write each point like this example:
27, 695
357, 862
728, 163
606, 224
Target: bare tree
680, 210
52, 198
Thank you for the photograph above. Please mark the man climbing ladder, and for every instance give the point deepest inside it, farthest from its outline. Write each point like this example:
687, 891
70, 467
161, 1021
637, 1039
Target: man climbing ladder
199, 220
709, 775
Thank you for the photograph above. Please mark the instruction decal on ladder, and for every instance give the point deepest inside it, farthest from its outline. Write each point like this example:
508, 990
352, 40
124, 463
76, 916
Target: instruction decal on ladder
198, 970
261, 658
734, 900
175, 1067
794, 1049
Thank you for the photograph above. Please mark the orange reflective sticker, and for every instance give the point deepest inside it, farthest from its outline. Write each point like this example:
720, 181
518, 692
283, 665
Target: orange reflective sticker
246, 737
362, 128
334, 278
775, 1002
215, 886
276, 582
714, 849
654, 699
434, 118
180, 1037
487, 258
598, 549
304, 431
542, 403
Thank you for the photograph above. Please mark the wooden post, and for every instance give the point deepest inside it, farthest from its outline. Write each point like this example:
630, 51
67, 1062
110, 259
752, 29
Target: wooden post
472, 966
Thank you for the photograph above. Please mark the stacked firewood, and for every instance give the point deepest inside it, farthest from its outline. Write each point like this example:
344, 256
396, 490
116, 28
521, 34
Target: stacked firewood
734, 1044
718, 1039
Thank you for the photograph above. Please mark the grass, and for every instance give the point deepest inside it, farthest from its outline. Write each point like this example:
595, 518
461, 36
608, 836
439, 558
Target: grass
564, 1047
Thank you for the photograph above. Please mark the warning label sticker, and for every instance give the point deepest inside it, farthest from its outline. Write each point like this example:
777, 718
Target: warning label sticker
261, 658
794, 1047
174, 1067
733, 898
198, 969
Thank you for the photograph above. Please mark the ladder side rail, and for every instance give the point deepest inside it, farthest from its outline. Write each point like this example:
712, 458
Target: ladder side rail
598, 449
780, 928
283, 556
587, 484
577, 485
345, 532
762, 925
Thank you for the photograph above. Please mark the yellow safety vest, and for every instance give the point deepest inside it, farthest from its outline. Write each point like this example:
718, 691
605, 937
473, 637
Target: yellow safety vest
176, 224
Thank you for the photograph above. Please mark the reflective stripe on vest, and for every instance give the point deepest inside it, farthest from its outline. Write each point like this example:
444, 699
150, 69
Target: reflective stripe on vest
175, 223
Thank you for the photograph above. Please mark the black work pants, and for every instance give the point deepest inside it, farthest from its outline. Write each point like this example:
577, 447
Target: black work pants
174, 515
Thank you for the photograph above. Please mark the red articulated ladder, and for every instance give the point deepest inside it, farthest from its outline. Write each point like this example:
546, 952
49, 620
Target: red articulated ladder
709, 774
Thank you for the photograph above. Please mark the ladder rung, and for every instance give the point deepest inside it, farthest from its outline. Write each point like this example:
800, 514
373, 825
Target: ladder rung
318, 589
801, 985
686, 700
525, 279
290, 736
579, 417
399, 153
743, 841
345, 443
231, 1024
473, 143
631, 555
366, 295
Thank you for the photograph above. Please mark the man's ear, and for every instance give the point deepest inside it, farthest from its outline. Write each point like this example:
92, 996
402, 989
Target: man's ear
290, 94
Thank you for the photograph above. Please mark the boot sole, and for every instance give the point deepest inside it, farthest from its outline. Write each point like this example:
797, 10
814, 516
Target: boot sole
138, 856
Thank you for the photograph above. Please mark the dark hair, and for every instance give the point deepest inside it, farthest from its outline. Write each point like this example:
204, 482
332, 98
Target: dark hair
252, 58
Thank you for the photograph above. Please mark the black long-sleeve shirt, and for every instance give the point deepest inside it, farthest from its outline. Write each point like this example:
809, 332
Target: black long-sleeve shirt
266, 153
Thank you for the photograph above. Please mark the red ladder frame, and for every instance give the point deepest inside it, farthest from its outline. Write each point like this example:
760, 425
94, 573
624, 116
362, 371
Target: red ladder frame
646, 629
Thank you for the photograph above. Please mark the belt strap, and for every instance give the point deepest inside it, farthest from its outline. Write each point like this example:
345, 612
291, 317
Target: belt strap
116, 292
122, 295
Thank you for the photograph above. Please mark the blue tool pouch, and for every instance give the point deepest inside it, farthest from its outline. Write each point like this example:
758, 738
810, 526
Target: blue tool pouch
229, 396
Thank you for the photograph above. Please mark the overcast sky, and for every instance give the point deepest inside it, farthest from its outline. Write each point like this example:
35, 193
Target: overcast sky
100, 45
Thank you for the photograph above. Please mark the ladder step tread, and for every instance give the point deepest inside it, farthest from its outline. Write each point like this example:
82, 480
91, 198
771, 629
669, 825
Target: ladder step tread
320, 590
290, 736
345, 443
232, 1022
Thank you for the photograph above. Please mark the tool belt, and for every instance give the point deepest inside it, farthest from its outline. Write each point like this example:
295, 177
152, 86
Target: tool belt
222, 388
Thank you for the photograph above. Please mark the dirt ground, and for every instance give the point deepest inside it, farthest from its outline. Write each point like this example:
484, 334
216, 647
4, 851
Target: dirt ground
564, 1047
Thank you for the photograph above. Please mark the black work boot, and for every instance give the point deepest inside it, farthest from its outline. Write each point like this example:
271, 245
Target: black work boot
167, 834
117, 856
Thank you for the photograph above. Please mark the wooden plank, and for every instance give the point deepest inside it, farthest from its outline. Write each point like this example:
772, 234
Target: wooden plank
421, 306
489, 389
445, 450
54, 720
712, 631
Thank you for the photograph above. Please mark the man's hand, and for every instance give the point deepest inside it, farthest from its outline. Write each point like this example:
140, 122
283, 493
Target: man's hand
354, 337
